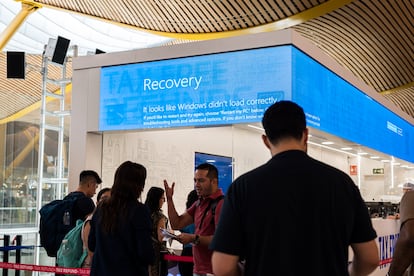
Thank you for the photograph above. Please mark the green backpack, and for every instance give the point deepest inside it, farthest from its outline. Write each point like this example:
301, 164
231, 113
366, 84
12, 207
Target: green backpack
71, 252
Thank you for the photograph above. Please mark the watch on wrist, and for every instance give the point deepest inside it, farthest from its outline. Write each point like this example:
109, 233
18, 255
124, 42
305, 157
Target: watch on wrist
196, 240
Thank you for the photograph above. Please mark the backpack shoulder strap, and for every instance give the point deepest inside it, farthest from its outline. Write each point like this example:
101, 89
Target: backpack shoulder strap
214, 203
211, 206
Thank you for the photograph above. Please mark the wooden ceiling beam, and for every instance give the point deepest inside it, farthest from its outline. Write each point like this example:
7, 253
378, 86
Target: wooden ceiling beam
12, 28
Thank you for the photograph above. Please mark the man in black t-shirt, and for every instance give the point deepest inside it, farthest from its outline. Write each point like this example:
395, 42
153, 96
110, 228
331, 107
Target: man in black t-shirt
293, 215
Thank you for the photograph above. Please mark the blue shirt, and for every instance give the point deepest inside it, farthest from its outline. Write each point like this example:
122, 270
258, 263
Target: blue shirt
190, 229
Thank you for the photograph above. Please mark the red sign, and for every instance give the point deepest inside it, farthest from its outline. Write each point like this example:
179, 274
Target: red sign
353, 170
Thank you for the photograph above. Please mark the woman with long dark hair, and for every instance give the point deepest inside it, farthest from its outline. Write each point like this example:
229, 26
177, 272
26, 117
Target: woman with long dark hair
154, 201
120, 235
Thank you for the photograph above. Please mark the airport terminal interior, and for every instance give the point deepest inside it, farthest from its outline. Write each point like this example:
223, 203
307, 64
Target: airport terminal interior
47, 46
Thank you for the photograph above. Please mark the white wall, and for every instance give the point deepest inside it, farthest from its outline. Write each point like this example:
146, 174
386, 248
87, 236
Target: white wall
335, 159
169, 154
372, 186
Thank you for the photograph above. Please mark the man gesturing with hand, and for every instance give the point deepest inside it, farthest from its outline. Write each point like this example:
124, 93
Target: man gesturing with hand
204, 213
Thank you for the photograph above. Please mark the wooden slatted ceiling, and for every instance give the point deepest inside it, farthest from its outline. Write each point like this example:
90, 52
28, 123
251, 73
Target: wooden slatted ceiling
363, 37
16, 94
188, 16
404, 99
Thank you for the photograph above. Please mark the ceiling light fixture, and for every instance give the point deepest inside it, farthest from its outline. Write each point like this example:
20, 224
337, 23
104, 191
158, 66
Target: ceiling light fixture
329, 148
256, 127
328, 143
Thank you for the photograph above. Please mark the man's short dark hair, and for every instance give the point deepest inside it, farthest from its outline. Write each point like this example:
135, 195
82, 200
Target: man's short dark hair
89, 173
212, 170
284, 119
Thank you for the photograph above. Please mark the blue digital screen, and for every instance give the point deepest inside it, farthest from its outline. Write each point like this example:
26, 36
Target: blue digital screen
223, 165
237, 87
215, 89
335, 106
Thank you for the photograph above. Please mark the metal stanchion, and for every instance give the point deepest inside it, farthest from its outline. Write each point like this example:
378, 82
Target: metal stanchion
6, 242
18, 253
163, 268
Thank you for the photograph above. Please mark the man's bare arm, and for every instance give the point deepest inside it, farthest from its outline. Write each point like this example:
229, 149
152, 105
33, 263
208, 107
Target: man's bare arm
404, 249
176, 221
366, 258
225, 264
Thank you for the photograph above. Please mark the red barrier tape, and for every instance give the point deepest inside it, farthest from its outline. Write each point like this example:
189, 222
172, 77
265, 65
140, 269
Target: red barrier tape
176, 258
85, 271
43, 268
386, 261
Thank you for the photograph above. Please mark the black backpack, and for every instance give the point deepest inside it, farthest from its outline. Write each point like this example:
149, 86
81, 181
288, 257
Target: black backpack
52, 228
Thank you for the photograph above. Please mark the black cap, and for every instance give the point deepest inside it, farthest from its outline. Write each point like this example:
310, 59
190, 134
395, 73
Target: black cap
87, 173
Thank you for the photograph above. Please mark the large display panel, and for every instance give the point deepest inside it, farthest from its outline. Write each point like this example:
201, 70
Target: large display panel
236, 87
337, 107
216, 89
